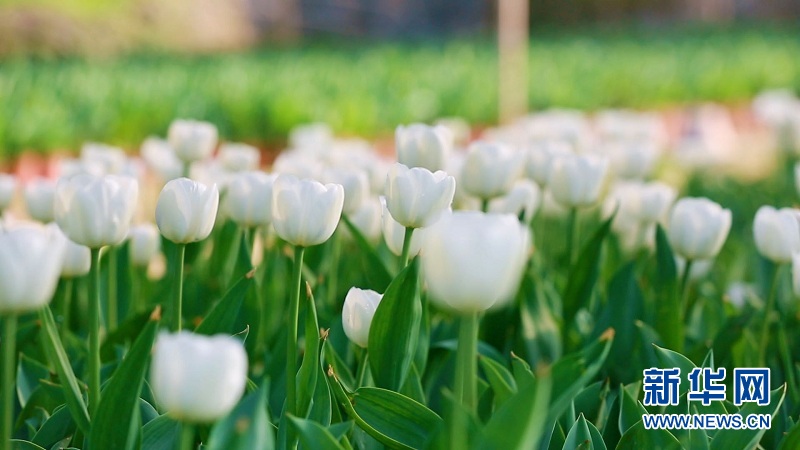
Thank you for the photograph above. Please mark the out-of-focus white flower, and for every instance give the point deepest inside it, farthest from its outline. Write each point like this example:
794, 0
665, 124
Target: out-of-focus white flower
145, 242
796, 274
355, 183
198, 378
95, 211
419, 145
459, 129
359, 308
367, 220
39, 196
417, 197
630, 159
575, 180
192, 140
111, 159
539, 159
236, 157
394, 234
523, 201
313, 137
161, 159
472, 261
305, 212
30, 263
775, 107
739, 293
8, 185
777, 233
490, 169
249, 199
77, 258
299, 164
700, 267
186, 210
698, 227
656, 199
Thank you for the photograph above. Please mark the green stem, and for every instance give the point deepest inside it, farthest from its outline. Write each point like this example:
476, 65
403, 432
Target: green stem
113, 307
94, 333
363, 367
762, 347
687, 271
333, 270
291, 345
788, 366
177, 296
466, 387
572, 236
9, 351
187, 436
406, 247
66, 305
485, 204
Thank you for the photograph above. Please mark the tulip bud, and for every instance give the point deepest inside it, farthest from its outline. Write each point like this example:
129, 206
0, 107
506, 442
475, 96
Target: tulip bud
249, 199
145, 243
39, 198
30, 263
419, 145
95, 211
8, 184
540, 157
490, 169
192, 140
355, 183
359, 308
575, 180
394, 234
305, 212
238, 157
161, 159
186, 210
777, 233
472, 260
698, 227
417, 197
198, 378
522, 201
77, 258
110, 159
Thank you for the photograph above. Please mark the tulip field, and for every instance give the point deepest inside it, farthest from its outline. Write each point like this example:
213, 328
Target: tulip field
565, 281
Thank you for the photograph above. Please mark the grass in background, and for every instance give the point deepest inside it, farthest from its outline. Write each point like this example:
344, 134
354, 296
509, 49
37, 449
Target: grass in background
368, 89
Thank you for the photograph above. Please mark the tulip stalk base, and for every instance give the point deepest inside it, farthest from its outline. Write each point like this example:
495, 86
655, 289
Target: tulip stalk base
113, 304
187, 436
9, 346
66, 305
762, 347
177, 298
466, 387
94, 332
685, 303
291, 346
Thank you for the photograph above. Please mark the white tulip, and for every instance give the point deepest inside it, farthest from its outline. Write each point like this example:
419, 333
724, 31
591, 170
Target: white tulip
198, 378
797, 177
249, 199
523, 200
656, 199
8, 185
540, 156
111, 159
39, 198
145, 242
631, 159
312, 137
30, 263
192, 140
239, 157
161, 159
490, 169
368, 220
796, 274
777, 233
300, 164
95, 211
77, 258
698, 227
575, 180
394, 234
305, 212
419, 145
459, 129
359, 308
417, 197
355, 183
700, 268
186, 210
472, 261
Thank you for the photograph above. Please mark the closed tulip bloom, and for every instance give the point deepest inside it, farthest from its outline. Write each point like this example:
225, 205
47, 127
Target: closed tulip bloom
359, 308
656, 199
417, 197
95, 211
777, 233
472, 261
698, 227
238, 157
186, 210
39, 196
198, 378
394, 234
161, 159
192, 140
249, 199
77, 258
419, 145
523, 201
632, 158
700, 268
145, 242
796, 274
575, 180
30, 263
305, 212
490, 169
8, 184
368, 220
540, 156
355, 183
111, 159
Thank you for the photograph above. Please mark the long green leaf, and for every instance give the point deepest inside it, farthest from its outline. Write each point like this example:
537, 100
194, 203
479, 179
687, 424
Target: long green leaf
731, 438
246, 427
310, 367
638, 438
117, 422
668, 303
161, 433
314, 436
378, 275
222, 317
394, 329
583, 275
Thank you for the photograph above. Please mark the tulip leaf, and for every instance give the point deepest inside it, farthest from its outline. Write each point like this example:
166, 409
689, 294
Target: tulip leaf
583, 275
540, 330
378, 275
394, 329
792, 439
222, 317
391, 418
161, 433
314, 436
125, 332
519, 422
630, 410
58, 358
748, 438
58, 426
500, 379
668, 303
29, 372
584, 434
120, 401
246, 427
623, 307
17, 444
669, 358
310, 367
